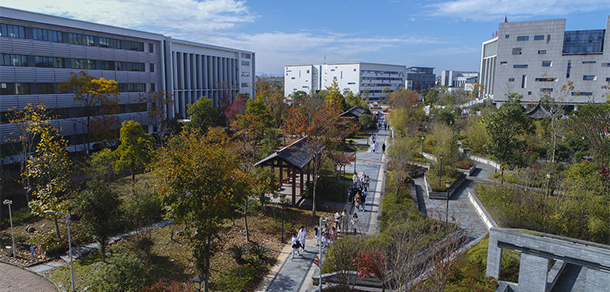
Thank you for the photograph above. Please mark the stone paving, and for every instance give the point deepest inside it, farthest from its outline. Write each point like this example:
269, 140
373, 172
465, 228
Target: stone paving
16, 279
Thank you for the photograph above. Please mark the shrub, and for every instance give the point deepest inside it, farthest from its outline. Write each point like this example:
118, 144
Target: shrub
238, 252
464, 164
259, 251
125, 273
449, 173
236, 279
52, 246
163, 286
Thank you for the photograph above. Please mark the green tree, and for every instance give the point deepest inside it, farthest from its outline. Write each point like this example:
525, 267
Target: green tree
401, 154
203, 115
355, 100
99, 208
200, 185
504, 127
158, 103
334, 97
136, 149
99, 165
93, 94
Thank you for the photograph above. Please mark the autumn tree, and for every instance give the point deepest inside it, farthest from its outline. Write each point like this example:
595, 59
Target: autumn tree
401, 153
136, 149
158, 103
334, 97
402, 98
504, 127
203, 115
235, 109
200, 185
273, 97
93, 94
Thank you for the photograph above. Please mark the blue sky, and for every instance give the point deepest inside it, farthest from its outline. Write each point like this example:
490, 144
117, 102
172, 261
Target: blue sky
443, 34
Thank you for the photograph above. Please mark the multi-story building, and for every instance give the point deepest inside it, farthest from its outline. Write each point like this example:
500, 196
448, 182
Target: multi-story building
537, 58
419, 78
456, 79
357, 77
39, 51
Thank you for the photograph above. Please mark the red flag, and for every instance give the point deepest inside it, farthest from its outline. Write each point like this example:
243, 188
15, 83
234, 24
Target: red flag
505, 19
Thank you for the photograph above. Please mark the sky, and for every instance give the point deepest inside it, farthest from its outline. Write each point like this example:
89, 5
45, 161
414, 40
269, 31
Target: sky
444, 34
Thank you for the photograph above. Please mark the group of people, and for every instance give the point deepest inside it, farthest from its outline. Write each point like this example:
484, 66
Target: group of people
344, 220
357, 196
361, 181
298, 241
375, 144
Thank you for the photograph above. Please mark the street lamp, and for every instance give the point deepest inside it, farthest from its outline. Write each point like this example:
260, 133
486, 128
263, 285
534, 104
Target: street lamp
440, 171
320, 252
197, 283
548, 183
422, 144
283, 199
67, 215
10, 215
447, 184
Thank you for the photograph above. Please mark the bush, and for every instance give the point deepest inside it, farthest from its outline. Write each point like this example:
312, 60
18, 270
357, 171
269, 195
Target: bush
449, 173
125, 273
53, 247
142, 210
464, 164
259, 251
238, 252
236, 279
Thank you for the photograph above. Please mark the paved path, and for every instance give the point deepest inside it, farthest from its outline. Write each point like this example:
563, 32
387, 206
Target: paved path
295, 274
15, 279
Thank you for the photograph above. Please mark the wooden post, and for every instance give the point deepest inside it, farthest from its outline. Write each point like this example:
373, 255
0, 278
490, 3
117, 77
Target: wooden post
308, 171
279, 162
301, 172
294, 186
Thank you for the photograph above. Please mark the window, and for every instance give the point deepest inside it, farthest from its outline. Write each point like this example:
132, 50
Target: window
529, 93
305, 86
511, 79
589, 62
13, 60
548, 38
245, 84
151, 48
523, 38
541, 52
14, 88
547, 63
589, 77
245, 55
111, 65
83, 64
584, 41
134, 46
607, 79
293, 78
12, 31
136, 87
307, 71
133, 66
605, 64
110, 43
569, 69
507, 36
153, 86
245, 74
539, 37
503, 63
546, 90
520, 66
49, 62
332, 69
582, 93
517, 51
152, 67
79, 39
245, 63
137, 107
47, 35
545, 79
48, 88
523, 81
351, 83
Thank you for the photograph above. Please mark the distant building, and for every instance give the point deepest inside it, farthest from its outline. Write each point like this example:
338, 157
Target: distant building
459, 79
419, 78
357, 77
39, 51
535, 58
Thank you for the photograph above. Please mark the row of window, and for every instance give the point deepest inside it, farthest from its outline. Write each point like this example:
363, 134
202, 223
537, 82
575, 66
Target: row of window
553, 79
53, 88
523, 38
55, 62
79, 112
16, 31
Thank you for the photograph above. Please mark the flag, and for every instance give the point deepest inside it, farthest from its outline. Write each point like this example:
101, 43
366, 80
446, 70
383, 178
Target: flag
505, 19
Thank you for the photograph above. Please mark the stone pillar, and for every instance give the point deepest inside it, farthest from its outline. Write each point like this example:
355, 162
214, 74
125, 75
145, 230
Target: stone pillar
533, 272
494, 256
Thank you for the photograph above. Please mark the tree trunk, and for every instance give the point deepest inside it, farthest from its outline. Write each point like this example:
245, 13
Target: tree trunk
103, 250
56, 229
502, 174
207, 256
246, 221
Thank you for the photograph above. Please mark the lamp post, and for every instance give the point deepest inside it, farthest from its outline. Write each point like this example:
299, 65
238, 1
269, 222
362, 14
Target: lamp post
10, 215
197, 283
320, 253
440, 171
447, 184
548, 183
422, 144
67, 215
283, 199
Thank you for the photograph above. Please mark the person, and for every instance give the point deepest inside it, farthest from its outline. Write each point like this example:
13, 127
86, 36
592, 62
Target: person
302, 237
355, 179
324, 236
363, 198
317, 234
337, 219
353, 195
295, 244
355, 222
357, 200
344, 219
383, 148
367, 181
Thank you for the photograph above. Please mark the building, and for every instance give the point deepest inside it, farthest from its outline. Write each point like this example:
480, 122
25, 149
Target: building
357, 77
39, 51
461, 79
537, 58
419, 78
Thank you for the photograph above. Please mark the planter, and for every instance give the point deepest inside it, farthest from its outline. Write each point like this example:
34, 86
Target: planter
468, 171
442, 195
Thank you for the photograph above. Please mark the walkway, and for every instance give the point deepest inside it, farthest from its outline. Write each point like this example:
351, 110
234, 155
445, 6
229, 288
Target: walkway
16, 279
295, 274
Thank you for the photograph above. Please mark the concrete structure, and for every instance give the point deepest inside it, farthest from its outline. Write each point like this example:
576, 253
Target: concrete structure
39, 51
419, 78
357, 77
459, 79
537, 58
536, 251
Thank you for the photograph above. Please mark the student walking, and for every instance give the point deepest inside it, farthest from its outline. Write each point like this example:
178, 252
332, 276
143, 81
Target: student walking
355, 222
302, 237
295, 245
317, 232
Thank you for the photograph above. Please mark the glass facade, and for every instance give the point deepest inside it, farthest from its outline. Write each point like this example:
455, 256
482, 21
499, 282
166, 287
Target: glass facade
12, 31
47, 35
584, 41
13, 60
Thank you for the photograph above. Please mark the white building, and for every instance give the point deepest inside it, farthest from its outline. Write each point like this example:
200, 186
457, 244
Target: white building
459, 79
534, 58
357, 77
39, 51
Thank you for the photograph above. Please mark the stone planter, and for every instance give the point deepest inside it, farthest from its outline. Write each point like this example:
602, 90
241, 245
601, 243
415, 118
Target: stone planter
442, 195
469, 171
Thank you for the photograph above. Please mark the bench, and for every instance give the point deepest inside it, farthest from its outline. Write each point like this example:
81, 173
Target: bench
287, 179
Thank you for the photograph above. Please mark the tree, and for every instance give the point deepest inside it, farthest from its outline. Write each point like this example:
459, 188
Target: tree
504, 127
355, 100
255, 120
274, 99
158, 103
99, 165
235, 109
200, 185
136, 149
334, 97
592, 121
203, 115
92, 94
99, 208
401, 153
318, 123
402, 98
